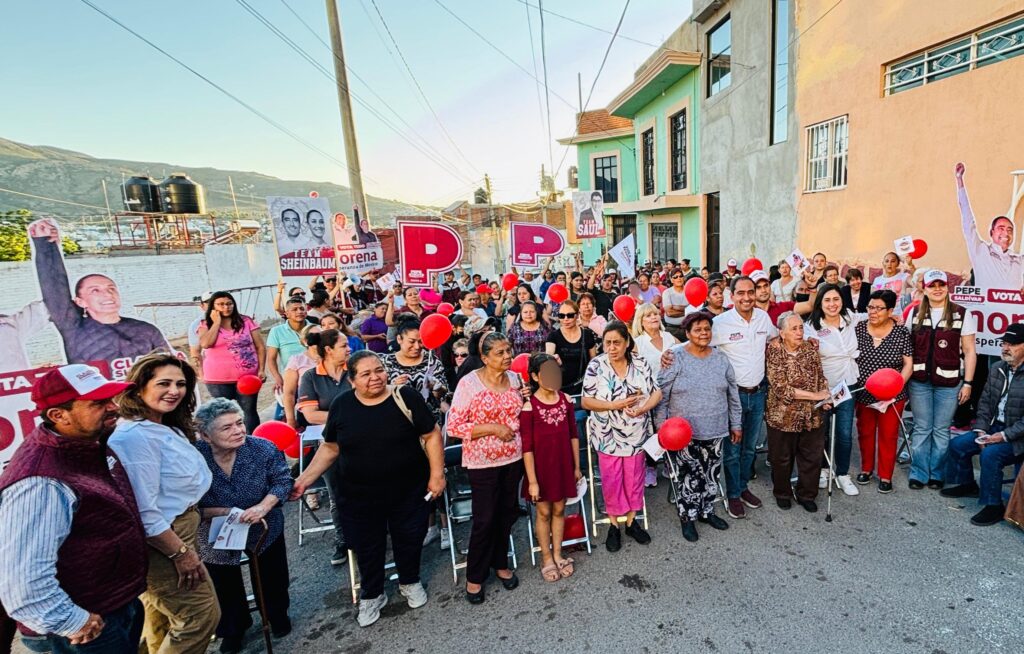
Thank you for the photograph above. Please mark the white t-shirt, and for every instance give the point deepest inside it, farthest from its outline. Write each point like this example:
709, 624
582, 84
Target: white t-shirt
673, 297
969, 328
645, 348
784, 293
837, 349
193, 331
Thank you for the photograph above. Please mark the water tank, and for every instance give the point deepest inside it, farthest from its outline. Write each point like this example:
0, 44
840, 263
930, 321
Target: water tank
141, 194
181, 195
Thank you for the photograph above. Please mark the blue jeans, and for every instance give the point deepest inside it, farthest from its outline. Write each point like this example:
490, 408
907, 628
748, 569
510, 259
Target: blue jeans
993, 457
121, 633
739, 458
933, 408
843, 417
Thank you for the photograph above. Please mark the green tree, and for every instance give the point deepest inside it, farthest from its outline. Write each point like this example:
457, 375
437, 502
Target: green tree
14, 245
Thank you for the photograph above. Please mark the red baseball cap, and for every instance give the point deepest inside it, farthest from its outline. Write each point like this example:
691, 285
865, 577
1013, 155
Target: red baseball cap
74, 382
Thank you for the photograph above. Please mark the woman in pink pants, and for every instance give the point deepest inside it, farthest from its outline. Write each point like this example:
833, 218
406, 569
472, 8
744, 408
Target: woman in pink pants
619, 390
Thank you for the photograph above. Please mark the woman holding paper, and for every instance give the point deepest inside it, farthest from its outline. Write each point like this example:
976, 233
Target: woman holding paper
249, 474
154, 442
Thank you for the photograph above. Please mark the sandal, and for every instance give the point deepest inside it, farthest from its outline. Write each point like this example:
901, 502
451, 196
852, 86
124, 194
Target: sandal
550, 573
565, 567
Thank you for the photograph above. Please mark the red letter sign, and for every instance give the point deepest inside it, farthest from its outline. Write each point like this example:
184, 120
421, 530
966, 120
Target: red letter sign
425, 248
531, 241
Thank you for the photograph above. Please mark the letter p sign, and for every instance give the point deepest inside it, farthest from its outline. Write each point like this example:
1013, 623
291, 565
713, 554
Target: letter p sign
531, 241
425, 248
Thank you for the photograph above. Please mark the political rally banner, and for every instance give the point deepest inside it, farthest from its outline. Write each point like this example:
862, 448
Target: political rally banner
358, 248
624, 254
531, 241
426, 248
991, 311
305, 245
588, 214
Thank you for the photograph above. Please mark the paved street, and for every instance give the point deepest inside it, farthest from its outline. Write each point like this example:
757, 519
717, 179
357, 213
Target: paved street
897, 573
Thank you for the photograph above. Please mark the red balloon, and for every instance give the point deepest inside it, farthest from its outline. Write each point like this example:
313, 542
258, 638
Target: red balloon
696, 291
558, 293
292, 451
483, 288
445, 309
750, 265
675, 434
574, 528
920, 249
521, 365
884, 384
510, 281
249, 384
624, 308
279, 433
435, 330
908, 309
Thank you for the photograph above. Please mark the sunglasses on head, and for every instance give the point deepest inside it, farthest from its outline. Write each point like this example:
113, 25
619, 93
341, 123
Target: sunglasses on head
566, 316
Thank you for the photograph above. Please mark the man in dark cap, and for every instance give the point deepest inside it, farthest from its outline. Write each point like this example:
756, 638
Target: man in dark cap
72, 548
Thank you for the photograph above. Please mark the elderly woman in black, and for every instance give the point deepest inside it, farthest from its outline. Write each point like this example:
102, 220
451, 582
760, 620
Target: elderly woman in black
248, 473
393, 464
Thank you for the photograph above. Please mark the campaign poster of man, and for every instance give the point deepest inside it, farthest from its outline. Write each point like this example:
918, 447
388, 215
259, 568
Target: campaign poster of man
587, 210
305, 245
358, 248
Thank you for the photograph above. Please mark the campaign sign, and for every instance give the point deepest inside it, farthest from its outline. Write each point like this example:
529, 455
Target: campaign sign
531, 241
358, 248
305, 245
992, 310
425, 248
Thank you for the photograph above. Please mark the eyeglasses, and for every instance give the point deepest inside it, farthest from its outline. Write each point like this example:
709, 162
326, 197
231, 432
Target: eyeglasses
566, 316
874, 309
677, 276
462, 356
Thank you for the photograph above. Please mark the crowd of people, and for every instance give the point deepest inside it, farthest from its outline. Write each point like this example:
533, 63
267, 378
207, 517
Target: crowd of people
107, 509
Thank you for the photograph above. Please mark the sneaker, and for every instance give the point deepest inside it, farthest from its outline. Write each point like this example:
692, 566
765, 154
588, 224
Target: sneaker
446, 538
638, 533
784, 503
963, 490
689, 531
613, 543
751, 500
369, 610
433, 533
936, 484
714, 521
823, 479
989, 515
914, 484
651, 478
414, 593
846, 485
809, 505
884, 486
340, 555
864, 478
735, 508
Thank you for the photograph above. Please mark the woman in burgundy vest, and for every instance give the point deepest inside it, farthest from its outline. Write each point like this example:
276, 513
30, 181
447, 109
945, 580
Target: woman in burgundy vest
941, 333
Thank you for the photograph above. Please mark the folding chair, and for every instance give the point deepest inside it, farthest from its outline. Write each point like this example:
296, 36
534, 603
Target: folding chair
458, 507
904, 443
585, 539
595, 481
312, 436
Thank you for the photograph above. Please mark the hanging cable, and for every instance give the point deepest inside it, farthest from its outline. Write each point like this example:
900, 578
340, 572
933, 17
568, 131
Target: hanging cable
547, 92
533, 56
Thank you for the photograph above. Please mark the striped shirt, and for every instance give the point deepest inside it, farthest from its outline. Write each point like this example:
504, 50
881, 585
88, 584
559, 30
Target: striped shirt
35, 518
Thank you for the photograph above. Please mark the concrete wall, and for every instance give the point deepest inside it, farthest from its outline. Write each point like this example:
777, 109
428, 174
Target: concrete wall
175, 278
902, 148
758, 182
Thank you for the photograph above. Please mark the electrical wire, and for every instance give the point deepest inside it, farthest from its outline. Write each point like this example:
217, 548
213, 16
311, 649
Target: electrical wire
43, 197
536, 85
547, 91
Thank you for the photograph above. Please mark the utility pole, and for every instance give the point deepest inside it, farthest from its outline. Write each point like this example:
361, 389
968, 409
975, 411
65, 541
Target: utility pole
231, 186
106, 200
348, 126
543, 195
499, 259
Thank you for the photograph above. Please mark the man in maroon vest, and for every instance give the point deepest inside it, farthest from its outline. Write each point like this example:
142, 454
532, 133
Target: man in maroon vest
72, 547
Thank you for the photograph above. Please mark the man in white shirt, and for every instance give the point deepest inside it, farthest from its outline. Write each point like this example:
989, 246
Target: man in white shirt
674, 302
742, 334
995, 266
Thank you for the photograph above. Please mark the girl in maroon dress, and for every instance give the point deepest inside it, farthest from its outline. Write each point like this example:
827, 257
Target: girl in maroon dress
551, 456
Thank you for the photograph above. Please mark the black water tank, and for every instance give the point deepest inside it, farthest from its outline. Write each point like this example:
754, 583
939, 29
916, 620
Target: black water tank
141, 194
181, 195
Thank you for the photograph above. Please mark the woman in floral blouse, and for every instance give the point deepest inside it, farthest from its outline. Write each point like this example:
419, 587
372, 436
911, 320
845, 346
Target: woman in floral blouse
796, 430
619, 390
485, 415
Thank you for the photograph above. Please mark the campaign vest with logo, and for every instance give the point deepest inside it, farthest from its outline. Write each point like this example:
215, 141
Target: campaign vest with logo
937, 349
103, 562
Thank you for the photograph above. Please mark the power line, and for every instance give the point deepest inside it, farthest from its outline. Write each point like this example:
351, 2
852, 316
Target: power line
539, 7
220, 88
547, 92
43, 197
533, 56
418, 87
312, 61
369, 88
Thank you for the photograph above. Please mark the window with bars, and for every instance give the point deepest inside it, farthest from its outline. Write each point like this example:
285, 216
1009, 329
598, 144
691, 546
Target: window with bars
606, 177
647, 156
623, 226
677, 124
827, 146
664, 241
983, 48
